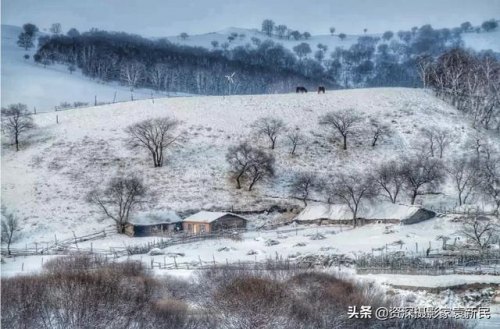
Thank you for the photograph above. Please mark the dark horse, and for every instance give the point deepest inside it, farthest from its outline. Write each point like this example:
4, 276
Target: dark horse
321, 89
301, 89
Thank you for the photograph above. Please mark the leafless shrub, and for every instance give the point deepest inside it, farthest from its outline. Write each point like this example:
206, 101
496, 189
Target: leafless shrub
480, 232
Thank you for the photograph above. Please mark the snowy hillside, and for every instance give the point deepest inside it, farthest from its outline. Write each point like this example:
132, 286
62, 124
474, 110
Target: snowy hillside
483, 41
48, 180
24, 81
245, 37
46, 87
476, 41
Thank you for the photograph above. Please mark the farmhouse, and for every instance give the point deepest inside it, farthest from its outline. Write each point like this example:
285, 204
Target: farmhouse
153, 223
376, 212
208, 221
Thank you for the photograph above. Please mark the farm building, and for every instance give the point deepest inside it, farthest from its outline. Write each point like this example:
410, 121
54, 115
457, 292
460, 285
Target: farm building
153, 223
208, 221
376, 212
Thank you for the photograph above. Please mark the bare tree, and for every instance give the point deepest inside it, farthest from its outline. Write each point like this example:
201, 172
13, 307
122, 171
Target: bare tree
422, 175
239, 158
302, 186
344, 122
443, 139
389, 176
490, 172
465, 174
25, 40
480, 232
10, 227
249, 163
436, 141
296, 138
16, 121
261, 167
119, 199
269, 127
353, 189
157, 74
132, 73
424, 66
55, 28
379, 131
155, 135
429, 144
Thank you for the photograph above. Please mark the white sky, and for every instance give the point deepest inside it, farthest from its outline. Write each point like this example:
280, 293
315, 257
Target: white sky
170, 17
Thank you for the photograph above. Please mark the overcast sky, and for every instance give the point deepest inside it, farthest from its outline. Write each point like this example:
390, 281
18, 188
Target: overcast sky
170, 17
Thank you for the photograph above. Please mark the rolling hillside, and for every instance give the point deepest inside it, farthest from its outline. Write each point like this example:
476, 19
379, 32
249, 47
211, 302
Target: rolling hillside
46, 87
48, 179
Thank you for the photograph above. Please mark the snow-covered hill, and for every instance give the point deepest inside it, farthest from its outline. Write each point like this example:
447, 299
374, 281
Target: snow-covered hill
24, 81
244, 36
483, 40
47, 181
46, 87
476, 41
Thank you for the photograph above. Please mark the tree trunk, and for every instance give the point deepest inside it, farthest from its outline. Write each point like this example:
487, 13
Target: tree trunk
238, 183
345, 142
413, 197
120, 228
17, 142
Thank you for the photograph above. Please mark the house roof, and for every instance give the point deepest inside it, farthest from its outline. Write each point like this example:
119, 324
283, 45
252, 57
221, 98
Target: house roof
155, 218
207, 216
375, 210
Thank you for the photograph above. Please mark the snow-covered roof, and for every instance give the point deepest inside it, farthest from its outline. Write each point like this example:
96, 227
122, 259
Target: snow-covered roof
155, 217
206, 216
375, 210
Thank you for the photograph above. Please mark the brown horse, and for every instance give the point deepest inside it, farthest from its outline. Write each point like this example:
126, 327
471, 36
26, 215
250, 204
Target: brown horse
301, 89
321, 89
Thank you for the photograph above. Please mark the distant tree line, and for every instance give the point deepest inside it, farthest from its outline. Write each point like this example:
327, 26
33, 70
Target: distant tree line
159, 64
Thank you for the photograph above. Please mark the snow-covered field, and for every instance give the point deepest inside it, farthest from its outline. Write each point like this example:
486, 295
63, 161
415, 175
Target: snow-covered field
47, 181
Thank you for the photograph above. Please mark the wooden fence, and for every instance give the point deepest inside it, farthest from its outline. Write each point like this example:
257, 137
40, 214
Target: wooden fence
444, 264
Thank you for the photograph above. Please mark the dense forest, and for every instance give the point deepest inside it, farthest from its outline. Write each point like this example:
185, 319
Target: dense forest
260, 66
140, 62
